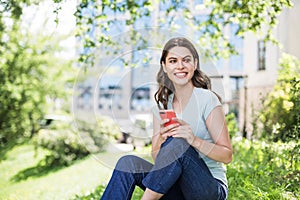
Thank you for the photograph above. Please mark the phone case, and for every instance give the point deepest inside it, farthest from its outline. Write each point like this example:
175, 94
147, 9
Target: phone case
168, 114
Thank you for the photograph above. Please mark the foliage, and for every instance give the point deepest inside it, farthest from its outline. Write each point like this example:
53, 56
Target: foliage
64, 145
29, 73
67, 142
26, 78
263, 170
95, 194
232, 125
98, 192
95, 136
280, 115
94, 22
259, 170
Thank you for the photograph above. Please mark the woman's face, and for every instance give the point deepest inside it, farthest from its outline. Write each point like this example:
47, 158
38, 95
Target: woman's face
180, 66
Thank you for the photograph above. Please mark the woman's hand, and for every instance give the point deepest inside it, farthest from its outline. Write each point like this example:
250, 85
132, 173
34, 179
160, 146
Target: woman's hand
179, 130
166, 131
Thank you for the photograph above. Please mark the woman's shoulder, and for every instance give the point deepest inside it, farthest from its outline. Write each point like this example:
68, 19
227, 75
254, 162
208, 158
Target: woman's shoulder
208, 99
202, 91
206, 95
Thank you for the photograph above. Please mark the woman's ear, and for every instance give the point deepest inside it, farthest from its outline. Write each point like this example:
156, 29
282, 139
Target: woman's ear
196, 64
164, 67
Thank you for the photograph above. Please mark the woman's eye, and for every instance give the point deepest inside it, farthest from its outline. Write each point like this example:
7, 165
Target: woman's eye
172, 61
186, 60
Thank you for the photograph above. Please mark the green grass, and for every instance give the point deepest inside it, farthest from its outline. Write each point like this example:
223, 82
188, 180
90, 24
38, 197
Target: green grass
264, 171
259, 171
62, 183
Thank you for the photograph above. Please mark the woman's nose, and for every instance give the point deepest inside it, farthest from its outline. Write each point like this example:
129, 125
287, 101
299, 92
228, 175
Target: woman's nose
180, 64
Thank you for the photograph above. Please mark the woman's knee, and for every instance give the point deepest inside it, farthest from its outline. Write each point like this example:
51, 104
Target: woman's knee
125, 162
175, 144
171, 150
175, 148
133, 164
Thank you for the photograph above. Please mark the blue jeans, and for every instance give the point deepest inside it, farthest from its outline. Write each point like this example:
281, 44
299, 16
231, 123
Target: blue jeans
178, 173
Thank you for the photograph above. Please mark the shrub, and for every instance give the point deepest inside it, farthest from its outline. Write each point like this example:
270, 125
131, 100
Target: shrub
262, 170
69, 141
280, 116
232, 125
64, 145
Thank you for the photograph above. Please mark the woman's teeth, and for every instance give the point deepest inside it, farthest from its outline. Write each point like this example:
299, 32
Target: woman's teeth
181, 74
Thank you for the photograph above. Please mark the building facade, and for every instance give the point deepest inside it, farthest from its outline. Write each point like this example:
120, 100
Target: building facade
242, 80
261, 64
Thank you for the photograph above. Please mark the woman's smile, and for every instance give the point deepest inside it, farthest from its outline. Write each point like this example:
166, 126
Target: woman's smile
181, 75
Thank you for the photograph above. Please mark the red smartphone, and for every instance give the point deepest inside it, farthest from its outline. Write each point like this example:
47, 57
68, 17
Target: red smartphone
168, 114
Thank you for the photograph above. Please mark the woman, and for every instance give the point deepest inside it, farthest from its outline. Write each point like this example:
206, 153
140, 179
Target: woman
189, 154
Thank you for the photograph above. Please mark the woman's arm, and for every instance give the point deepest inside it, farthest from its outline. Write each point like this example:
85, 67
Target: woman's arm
157, 139
221, 149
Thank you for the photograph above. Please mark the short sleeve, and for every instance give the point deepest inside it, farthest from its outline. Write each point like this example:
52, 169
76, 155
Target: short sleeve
212, 101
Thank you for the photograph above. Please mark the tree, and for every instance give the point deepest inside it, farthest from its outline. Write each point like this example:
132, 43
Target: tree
30, 72
259, 17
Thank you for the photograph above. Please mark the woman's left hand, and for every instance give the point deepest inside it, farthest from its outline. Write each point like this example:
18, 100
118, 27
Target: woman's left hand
184, 130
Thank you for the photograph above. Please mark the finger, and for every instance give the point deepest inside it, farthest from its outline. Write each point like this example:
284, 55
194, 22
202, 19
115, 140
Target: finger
171, 127
180, 121
164, 137
167, 134
163, 121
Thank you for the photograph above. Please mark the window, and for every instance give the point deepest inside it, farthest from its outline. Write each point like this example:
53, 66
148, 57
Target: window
261, 55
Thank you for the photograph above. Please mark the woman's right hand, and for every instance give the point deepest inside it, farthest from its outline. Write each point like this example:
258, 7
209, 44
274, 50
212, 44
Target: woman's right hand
166, 131
160, 134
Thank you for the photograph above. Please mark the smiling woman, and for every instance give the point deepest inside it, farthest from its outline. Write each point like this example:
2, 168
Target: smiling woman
184, 56
180, 66
189, 154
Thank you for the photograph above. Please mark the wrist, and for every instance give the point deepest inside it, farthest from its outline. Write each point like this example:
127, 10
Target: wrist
196, 142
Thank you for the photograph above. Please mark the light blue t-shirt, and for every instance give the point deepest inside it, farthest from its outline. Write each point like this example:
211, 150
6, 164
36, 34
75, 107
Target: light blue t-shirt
195, 113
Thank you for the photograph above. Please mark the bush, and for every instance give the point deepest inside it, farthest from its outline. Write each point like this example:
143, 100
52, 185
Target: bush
71, 141
280, 116
262, 170
232, 125
64, 145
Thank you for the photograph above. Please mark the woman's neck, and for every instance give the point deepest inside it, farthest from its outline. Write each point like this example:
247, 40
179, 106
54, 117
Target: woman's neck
181, 97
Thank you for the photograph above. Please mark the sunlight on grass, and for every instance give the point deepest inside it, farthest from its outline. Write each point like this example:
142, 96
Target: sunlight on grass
259, 170
79, 178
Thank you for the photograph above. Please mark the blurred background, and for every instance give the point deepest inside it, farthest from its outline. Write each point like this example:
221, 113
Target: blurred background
77, 81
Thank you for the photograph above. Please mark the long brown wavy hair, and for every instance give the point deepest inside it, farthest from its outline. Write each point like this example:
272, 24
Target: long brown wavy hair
166, 87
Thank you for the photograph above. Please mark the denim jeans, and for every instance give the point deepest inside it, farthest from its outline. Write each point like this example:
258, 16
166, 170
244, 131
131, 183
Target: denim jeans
178, 173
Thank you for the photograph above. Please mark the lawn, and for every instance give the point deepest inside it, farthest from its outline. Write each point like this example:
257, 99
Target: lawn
60, 183
259, 171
